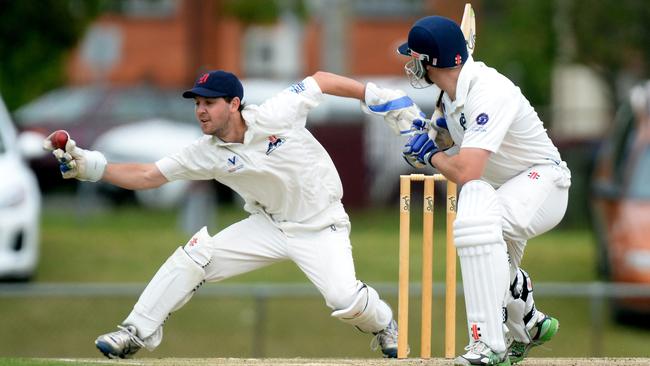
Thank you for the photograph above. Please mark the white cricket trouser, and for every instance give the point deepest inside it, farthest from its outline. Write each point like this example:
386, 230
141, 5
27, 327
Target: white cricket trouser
325, 256
532, 203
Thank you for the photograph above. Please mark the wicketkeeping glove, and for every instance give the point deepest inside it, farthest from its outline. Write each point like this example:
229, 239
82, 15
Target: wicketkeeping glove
418, 150
395, 106
76, 162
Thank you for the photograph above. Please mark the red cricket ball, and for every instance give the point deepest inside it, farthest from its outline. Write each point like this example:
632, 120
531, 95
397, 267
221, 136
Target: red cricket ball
59, 139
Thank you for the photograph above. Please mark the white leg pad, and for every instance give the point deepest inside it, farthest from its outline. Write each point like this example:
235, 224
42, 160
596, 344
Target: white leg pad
169, 289
367, 312
484, 262
199, 247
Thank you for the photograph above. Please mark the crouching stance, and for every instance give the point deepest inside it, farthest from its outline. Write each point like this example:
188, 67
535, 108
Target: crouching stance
514, 187
291, 190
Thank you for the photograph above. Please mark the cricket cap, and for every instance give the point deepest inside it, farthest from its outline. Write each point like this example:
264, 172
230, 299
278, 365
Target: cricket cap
216, 84
436, 41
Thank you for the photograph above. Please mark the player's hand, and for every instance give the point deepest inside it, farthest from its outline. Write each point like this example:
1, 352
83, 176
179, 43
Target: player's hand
394, 105
75, 162
418, 150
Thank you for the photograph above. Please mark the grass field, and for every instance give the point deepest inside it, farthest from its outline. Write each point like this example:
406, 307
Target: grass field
129, 244
312, 362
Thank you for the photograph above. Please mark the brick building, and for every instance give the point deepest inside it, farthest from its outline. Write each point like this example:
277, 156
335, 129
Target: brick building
168, 42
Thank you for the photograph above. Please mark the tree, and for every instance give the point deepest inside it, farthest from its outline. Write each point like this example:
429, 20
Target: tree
34, 39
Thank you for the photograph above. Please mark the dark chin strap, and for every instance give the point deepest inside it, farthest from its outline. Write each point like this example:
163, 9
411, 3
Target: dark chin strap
426, 78
426, 74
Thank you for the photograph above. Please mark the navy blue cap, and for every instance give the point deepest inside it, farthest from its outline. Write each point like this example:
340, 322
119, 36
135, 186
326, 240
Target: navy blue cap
437, 41
215, 84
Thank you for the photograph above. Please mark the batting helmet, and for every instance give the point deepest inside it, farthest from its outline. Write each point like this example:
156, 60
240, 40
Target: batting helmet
436, 41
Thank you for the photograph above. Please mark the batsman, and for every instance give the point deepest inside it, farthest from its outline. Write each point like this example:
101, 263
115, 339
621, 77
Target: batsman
514, 186
291, 189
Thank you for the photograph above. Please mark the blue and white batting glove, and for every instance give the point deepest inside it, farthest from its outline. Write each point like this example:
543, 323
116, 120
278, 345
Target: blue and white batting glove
418, 150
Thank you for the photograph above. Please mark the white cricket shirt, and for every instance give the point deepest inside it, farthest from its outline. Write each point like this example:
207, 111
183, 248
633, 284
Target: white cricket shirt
491, 113
279, 170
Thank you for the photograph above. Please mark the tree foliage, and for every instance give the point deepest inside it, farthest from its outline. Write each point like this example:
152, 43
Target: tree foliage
613, 37
34, 38
525, 39
516, 38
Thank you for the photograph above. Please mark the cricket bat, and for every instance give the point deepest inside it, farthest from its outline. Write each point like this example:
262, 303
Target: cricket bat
468, 26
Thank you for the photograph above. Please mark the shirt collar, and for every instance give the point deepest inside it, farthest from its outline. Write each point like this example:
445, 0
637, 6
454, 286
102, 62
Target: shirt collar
462, 85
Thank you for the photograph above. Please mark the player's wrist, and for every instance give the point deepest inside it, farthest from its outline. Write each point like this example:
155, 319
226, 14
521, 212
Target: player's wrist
428, 159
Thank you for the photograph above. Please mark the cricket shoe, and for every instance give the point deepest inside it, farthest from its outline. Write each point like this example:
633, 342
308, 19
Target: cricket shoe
122, 343
544, 331
387, 340
478, 353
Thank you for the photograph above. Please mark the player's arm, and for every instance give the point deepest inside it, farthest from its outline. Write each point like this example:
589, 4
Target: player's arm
338, 85
421, 150
88, 165
467, 165
397, 109
134, 176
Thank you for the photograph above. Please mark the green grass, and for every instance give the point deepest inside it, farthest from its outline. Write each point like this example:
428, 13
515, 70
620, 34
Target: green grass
129, 244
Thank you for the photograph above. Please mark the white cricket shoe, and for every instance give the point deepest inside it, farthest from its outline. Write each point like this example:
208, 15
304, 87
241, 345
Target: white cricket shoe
478, 353
387, 340
122, 343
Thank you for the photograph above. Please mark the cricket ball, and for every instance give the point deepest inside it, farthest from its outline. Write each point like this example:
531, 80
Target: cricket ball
59, 139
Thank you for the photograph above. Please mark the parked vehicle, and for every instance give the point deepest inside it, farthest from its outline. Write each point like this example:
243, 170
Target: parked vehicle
621, 200
20, 201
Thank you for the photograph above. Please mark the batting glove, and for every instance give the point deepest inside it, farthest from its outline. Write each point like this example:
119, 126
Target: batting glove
76, 162
419, 149
439, 132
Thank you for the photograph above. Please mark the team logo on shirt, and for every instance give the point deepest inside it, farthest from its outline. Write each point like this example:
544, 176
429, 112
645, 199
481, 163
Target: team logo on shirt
234, 164
274, 143
482, 119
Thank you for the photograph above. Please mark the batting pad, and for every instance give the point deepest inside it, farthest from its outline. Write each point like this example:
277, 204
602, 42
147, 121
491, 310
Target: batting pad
169, 289
367, 312
483, 261
522, 314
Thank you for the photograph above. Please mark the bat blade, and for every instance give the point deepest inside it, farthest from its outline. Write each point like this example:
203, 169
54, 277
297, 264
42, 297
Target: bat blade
468, 26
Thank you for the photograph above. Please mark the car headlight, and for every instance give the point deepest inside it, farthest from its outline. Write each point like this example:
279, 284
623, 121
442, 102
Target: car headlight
12, 197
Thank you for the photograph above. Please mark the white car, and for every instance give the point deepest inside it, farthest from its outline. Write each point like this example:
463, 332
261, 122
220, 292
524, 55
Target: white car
20, 201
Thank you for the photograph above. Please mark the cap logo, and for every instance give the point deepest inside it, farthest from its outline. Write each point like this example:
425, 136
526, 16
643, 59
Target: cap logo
458, 59
203, 78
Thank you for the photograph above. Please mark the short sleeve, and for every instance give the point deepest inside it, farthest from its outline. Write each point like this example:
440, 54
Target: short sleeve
289, 108
487, 120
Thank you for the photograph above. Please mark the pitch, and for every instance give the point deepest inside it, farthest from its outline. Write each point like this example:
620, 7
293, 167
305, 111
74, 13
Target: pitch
321, 362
